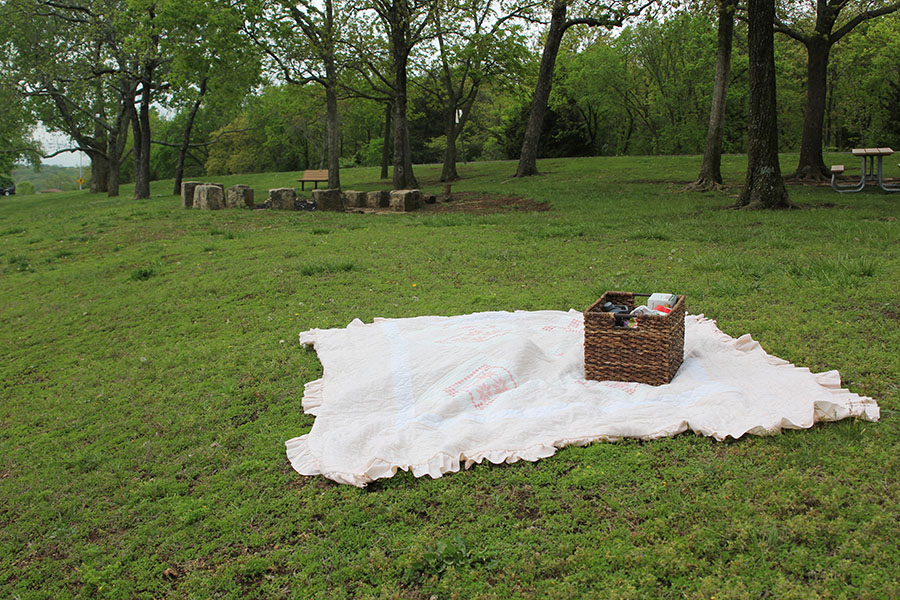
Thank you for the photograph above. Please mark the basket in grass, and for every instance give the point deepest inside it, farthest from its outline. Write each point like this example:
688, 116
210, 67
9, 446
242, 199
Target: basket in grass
646, 349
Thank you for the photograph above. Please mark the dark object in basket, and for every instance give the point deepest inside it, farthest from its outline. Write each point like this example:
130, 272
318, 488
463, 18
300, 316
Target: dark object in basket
649, 353
616, 309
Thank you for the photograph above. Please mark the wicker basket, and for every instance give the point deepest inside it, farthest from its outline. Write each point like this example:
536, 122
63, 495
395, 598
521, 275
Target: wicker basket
650, 353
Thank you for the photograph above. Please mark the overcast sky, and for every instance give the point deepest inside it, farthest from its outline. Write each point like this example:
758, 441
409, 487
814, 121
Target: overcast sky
53, 142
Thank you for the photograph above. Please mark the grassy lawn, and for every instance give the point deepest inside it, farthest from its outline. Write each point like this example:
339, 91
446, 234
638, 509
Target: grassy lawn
151, 373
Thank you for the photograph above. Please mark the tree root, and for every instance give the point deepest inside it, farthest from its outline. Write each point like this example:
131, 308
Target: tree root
705, 185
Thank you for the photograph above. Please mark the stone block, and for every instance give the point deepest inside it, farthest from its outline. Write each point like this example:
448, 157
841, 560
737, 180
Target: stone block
187, 193
282, 198
406, 200
239, 196
378, 199
209, 197
355, 199
328, 199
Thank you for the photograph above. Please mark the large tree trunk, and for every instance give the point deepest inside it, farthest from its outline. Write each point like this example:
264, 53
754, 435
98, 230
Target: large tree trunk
448, 172
711, 168
333, 138
115, 169
764, 187
403, 174
117, 140
332, 133
386, 147
528, 156
812, 165
186, 139
140, 127
99, 172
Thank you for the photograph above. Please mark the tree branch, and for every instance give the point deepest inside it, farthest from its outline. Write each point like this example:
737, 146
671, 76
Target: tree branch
204, 144
782, 27
865, 16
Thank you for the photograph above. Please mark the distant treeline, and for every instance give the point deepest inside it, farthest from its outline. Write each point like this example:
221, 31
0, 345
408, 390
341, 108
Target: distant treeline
29, 180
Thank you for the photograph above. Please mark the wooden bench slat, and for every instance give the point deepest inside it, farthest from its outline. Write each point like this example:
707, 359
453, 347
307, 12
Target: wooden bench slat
837, 168
313, 176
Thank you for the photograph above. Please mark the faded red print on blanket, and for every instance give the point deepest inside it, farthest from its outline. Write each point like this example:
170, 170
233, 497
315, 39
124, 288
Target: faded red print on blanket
483, 385
575, 326
474, 335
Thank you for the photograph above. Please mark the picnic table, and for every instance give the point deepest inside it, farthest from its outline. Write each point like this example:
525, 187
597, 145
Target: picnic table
872, 169
313, 176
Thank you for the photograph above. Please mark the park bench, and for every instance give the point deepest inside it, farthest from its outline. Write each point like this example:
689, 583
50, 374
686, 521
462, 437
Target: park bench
313, 176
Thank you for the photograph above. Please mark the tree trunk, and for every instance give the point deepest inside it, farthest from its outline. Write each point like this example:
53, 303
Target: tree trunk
332, 135
403, 174
99, 172
186, 139
764, 187
528, 156
140, 128
812, 165
711, 168
828, 134
118, 138
115, 169
448, 172
386, 147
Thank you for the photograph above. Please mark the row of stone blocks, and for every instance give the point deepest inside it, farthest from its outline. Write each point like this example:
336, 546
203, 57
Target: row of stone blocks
336, 200
214, 196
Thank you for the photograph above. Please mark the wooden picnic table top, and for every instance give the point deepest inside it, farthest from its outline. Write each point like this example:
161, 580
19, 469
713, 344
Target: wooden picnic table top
872, 151
314, 174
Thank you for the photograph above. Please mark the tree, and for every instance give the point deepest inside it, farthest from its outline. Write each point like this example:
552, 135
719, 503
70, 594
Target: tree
607, 84
282, 128
310, 57
475, 45
764, 186
60, 54
15, 120
818, 44
711, 168
863, 70
212, 66
384, 64
559, 24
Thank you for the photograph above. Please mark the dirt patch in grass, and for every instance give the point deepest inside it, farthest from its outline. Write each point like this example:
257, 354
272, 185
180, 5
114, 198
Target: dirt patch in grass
658, 182
483, 204
478, 203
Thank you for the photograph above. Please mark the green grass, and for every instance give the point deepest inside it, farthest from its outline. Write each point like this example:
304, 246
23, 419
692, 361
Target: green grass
151, 374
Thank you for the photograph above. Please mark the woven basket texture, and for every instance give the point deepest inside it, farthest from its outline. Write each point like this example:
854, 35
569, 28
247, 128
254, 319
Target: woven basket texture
651, 353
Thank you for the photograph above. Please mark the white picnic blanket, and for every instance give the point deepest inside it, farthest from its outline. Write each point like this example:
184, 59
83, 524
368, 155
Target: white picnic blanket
429, 394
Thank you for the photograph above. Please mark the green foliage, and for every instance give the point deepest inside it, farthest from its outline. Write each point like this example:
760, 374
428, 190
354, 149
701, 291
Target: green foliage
282, 129
142, 423
865, 80
16, 121
26, 188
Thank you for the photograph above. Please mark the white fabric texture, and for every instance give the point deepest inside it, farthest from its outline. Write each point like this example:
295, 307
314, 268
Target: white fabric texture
429, 394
